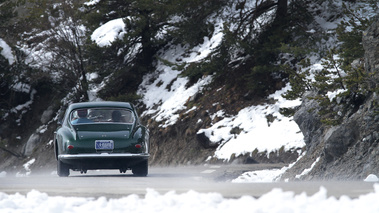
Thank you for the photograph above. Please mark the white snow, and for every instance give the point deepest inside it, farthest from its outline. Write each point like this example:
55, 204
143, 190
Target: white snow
265, 176
166, 93
21, 87
204, 49
107, 33
372, 178
91, 2
332, 95
306, 171
275, 201
258, 133
7, 52
27, 168
172, 100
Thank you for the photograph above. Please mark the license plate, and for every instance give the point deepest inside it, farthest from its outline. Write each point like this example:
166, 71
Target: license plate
104, 144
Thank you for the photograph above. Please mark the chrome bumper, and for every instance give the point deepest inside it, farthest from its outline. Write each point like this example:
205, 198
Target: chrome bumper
102, 155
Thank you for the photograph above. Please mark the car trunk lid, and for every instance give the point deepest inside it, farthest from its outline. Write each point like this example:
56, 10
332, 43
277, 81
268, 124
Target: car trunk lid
102, 131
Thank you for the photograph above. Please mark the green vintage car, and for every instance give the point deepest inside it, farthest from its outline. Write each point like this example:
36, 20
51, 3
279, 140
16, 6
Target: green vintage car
101, 135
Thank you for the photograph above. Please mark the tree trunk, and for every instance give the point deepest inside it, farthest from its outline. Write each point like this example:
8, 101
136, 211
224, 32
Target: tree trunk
281, 12
146, 39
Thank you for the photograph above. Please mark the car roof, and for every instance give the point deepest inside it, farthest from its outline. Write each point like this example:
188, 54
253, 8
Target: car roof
97, 104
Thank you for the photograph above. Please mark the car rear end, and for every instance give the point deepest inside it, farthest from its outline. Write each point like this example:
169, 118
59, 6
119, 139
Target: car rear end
106, 142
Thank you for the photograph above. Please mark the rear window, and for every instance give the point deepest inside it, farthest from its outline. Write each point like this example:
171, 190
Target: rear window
101, 115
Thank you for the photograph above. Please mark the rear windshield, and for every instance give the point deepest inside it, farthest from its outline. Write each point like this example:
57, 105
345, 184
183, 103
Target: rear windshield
101, 115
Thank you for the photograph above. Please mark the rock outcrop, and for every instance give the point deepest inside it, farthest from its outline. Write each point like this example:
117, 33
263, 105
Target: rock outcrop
349, 150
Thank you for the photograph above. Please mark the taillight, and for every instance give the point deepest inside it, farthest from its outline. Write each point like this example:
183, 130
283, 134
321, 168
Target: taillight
70, 146
138, 146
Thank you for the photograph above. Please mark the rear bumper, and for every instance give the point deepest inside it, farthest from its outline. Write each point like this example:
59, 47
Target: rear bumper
103, 160
103, 156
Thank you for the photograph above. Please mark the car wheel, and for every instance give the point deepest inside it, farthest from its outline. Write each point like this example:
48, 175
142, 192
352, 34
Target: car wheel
62, 169
141, 169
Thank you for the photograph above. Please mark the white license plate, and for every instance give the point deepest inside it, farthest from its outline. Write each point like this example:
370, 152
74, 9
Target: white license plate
104, 144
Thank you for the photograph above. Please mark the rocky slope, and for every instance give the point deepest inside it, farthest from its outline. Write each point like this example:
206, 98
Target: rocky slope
349, 150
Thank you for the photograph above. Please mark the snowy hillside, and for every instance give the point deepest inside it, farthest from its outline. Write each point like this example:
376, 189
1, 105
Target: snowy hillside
164, 105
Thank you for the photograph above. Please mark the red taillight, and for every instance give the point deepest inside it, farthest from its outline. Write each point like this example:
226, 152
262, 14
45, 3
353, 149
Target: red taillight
70, 146
138, 146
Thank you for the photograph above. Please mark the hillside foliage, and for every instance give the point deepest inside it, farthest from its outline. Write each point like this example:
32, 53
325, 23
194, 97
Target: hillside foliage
343, 70
266, 44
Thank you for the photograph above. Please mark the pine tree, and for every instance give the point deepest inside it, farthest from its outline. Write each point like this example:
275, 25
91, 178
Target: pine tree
149, 26
61, 35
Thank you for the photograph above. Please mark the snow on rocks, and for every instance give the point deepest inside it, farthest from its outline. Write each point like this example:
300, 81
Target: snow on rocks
108, 32
257, 132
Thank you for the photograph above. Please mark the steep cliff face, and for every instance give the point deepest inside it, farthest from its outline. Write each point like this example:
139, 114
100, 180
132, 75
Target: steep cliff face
371, 45
349, 150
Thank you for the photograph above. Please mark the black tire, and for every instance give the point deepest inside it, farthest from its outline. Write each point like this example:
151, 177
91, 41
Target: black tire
141, 169
62, 169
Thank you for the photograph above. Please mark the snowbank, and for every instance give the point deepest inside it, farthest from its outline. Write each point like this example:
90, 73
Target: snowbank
275, 201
